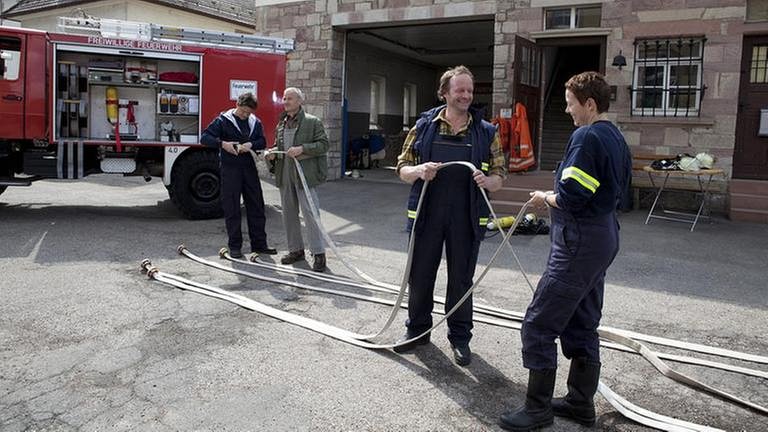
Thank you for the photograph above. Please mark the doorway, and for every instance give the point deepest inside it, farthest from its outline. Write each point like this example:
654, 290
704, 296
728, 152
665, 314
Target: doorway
563, 58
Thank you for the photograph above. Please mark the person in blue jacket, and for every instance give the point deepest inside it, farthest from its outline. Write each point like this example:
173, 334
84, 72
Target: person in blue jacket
589, 183
235, 133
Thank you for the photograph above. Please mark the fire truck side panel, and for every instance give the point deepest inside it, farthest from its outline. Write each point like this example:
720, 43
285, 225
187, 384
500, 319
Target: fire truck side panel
36, 88
223, 69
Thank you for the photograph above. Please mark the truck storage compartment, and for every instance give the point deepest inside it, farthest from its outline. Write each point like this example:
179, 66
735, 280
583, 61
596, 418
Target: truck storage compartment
144, 96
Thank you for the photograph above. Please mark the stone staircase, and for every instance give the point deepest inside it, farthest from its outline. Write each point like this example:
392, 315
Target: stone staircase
510, 198
748, 200
558, 127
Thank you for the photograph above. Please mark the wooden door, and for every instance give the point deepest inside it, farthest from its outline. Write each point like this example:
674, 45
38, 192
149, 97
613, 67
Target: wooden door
750, 155
527, 82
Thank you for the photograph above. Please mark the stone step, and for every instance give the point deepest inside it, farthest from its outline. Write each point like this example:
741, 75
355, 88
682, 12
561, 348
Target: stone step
755, 187
749, 201
749, 215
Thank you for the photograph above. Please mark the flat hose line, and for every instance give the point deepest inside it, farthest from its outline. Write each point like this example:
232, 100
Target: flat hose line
638, 347
502, 321
511, 315
626, 408
635, 346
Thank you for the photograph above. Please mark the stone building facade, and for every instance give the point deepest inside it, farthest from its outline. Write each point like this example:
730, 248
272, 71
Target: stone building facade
715, 29
702, 93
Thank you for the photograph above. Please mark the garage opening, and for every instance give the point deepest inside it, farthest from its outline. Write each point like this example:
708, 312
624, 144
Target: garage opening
391, 76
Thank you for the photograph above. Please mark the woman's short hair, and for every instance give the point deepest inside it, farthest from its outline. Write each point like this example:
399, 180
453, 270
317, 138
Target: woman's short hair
590, 85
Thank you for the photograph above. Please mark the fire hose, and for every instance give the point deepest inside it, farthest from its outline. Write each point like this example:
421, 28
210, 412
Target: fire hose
625, 407
616, 336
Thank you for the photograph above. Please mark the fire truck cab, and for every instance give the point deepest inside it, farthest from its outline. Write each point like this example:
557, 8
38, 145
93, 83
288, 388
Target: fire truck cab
128, 98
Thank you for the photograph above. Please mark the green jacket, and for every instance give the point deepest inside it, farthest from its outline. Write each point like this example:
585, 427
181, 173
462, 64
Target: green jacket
314, 162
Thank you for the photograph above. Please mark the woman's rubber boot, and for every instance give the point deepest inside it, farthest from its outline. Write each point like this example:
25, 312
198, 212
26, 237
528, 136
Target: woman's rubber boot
578, 404
537, 411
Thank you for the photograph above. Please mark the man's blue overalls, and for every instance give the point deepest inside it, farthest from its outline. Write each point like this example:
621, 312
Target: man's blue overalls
446, 218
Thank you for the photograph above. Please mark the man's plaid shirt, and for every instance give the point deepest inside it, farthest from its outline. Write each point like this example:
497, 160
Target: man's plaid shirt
497, 163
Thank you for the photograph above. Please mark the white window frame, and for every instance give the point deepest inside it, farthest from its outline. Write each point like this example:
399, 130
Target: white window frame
573, 9
667, 63
377, 103
409, 104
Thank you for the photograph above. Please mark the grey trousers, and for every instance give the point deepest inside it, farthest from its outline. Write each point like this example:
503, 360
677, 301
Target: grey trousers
292, 197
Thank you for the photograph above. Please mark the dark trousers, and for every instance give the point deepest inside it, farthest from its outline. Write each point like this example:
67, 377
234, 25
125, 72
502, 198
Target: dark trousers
446, 221
236, 180
568, 300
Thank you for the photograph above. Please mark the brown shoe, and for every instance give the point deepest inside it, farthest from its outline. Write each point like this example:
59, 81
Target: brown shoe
292, 257
319, 264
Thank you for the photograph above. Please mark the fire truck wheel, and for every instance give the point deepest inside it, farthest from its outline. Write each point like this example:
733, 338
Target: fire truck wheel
195, 185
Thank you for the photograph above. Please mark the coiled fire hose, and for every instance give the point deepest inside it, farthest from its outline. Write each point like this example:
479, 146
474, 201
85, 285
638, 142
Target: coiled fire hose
637, 414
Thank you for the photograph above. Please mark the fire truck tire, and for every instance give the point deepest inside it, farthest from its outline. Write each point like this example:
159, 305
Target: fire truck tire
196, 185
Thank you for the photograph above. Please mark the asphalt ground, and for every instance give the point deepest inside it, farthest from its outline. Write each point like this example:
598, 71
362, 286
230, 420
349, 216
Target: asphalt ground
89, 343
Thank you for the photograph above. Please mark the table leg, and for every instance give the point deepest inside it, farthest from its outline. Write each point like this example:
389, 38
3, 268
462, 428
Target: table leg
658, 195
704, 187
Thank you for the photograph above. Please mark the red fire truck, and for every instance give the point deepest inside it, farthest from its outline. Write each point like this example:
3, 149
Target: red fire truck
108, 96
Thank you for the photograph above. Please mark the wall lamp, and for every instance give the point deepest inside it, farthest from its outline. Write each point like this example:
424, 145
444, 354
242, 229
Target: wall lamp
619, 61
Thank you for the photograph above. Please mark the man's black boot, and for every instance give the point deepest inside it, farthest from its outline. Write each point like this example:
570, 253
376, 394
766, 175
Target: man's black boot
410, 345
578, 404
537, 411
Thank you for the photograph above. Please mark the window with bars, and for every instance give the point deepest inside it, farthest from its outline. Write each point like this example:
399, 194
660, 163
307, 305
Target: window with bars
667, 77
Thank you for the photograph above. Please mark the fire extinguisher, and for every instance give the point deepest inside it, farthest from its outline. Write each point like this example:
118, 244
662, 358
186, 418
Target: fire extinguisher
112, 105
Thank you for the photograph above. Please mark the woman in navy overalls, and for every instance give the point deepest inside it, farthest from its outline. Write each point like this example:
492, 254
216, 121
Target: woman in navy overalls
567, 304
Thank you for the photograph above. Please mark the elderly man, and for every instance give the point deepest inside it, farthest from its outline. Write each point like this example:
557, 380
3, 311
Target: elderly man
454, 213
302, 136
235, 133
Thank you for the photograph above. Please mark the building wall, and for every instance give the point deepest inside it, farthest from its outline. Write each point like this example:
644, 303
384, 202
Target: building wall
722, 23
130, 11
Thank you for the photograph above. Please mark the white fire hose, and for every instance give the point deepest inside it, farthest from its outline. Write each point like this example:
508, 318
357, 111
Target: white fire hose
612, 338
